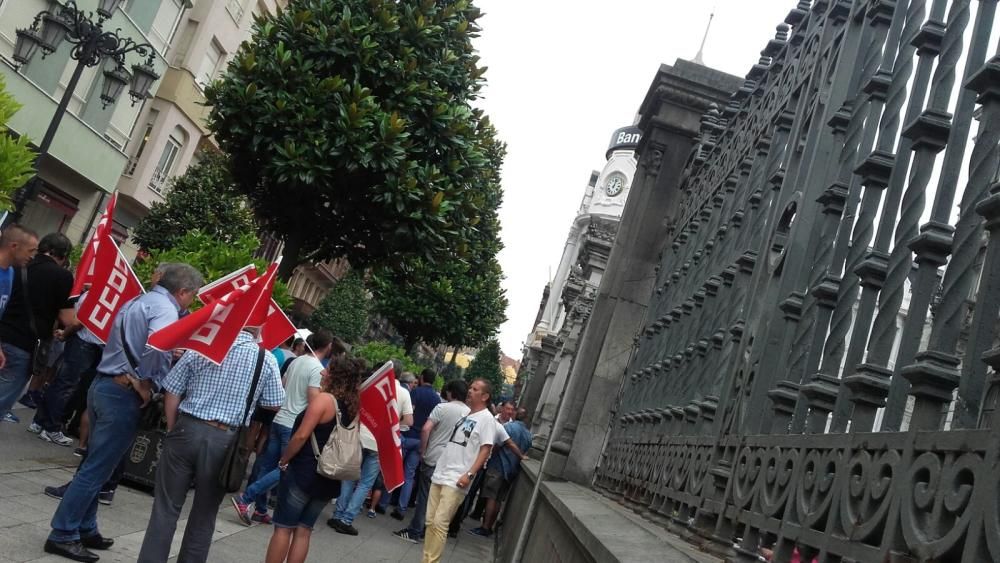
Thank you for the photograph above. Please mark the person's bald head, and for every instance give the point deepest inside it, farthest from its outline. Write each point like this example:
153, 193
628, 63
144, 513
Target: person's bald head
18, 245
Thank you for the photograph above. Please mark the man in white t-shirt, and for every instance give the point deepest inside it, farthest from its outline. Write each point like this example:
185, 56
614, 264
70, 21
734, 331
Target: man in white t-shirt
353, 493
302, 383
465, 453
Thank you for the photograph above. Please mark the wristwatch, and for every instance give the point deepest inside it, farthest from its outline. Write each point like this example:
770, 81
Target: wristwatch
469, 474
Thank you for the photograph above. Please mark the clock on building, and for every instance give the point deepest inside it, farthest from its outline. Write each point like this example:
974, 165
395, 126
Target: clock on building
614, 185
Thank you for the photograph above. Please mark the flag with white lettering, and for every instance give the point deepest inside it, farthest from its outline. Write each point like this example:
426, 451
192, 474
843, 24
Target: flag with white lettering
275, 328
85, 269
211, 330
114, 285
220, 287
380, 414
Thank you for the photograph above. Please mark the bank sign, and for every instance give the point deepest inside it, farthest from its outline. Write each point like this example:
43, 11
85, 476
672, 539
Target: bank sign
625, 138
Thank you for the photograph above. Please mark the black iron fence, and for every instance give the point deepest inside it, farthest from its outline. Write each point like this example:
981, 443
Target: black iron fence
815, 367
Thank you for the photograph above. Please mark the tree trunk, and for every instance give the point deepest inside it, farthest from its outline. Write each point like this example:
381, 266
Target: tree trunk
410, 344
290, 255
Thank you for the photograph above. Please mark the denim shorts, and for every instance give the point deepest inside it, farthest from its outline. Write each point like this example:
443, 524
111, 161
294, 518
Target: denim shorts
295, 509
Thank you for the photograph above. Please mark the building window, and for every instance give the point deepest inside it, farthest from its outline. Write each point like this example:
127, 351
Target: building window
134, 161
166, 164
210, 64
235, 9
165, 24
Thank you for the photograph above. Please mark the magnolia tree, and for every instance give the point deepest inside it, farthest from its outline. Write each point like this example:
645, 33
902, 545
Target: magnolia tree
351, 129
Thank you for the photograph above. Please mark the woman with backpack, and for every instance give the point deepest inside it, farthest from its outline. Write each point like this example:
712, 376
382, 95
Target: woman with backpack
302, 492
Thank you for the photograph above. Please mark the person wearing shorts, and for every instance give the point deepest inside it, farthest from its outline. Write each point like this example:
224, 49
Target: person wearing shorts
302, 492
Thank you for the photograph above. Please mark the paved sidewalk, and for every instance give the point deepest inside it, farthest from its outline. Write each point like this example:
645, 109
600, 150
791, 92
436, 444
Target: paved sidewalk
28, 464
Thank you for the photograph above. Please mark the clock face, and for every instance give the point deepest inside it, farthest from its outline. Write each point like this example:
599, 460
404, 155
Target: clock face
614, 185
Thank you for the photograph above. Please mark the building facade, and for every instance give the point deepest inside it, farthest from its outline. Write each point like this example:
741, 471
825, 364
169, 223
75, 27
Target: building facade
94, 142
569, 296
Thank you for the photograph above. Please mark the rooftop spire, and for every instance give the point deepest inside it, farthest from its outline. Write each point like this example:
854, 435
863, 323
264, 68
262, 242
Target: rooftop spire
700, 57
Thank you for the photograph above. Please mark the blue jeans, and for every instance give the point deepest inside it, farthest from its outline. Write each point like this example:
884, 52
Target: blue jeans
417, 523
14, 376
411, 458
353, 493
296, 509
265, 469
114, 420
78, 359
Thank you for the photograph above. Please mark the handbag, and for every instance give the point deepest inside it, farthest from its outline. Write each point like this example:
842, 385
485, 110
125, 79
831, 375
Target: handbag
340, 458
234, 463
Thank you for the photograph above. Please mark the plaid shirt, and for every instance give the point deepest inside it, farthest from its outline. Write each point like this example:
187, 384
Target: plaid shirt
219, 393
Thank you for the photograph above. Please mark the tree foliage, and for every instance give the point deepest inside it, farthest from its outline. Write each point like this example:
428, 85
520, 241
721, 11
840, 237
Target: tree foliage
486, 365
378, 353
459, 301
202, 198
16, 157
344, 310
213, 258
352, 124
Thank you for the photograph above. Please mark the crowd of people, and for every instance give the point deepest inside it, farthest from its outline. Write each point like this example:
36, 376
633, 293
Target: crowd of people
291, 399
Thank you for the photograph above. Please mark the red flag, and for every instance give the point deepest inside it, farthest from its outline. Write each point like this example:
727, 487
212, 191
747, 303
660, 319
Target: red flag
114, 285
276, 329
380, 414
85, 269
211, 330
220, 287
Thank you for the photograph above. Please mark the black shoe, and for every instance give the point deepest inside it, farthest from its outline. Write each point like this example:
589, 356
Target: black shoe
342, 527
379, 509
56, 492
106, 497
71, 550
97, 542
452, 534
397, 515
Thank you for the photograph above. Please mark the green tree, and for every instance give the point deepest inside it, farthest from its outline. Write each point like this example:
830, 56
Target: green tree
378, 353
344, 310
459, 301
213, 258
16, 157
353, 126
202, 198
486, 365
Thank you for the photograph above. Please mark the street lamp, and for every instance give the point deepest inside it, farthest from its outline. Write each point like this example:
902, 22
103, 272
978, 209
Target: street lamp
92, 45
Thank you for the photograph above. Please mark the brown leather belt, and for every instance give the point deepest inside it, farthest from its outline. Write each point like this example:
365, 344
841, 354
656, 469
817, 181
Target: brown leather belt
123, 380
212, 423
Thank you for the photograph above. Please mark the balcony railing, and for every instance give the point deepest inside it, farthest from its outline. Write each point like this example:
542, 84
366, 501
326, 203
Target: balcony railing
158, 182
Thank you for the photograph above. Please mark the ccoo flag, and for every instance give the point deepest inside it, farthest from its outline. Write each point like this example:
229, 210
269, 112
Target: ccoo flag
114, 285
211, 330
380, 414
275, 328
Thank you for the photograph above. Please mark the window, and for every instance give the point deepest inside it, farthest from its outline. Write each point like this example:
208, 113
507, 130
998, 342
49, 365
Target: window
165, 24
167, 160
235, 9
210, 64
134, 161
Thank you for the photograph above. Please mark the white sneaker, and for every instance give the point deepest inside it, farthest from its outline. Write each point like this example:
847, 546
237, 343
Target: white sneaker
57, 438
35, 428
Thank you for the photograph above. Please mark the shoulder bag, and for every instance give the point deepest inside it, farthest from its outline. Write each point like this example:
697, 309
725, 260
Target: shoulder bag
340, 458
234, 464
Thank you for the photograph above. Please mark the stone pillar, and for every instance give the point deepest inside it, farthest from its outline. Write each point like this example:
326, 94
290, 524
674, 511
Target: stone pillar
670, 121
540, 356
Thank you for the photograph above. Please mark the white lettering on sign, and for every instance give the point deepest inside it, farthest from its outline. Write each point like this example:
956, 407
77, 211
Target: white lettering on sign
627, 138
239, 281
208, 331
391, 408
111, 295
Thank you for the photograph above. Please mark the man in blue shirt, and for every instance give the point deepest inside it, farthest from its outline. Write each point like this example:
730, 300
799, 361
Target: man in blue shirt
128, 374
205, 407
424, 398
501, 470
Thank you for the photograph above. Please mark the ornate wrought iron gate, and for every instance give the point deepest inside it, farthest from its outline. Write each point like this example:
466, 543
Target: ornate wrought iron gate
814, 368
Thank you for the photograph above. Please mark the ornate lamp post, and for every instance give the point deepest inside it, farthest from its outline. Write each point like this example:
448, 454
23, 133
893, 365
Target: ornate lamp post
92, 45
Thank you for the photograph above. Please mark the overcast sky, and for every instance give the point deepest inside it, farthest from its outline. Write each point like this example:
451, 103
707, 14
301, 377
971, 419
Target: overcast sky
562, 76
